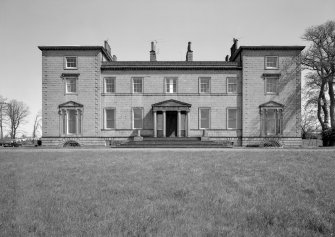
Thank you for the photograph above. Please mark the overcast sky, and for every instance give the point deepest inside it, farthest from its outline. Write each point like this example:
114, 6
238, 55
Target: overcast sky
130, 26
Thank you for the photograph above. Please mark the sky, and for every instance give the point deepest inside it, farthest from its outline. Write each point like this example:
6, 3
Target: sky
130, 26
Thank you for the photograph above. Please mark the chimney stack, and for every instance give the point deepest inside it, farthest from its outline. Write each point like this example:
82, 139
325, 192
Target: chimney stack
233, 47
114, 58
189, 54
153, 52
227, 58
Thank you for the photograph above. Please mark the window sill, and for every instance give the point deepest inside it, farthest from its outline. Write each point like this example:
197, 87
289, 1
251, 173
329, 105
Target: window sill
271, 93
70, 68
108, 129
271, 68
67, 93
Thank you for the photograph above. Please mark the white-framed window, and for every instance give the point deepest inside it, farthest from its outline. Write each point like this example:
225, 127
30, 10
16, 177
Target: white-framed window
272, 121
137, 118
109, 118
271, 84
170, 85
137, 84
231, 84
231, 118
204, 84
70, 85
109, 84
71, 62
271, 62
204, 118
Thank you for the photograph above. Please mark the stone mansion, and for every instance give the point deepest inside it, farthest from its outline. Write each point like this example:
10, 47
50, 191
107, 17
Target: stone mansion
90, 98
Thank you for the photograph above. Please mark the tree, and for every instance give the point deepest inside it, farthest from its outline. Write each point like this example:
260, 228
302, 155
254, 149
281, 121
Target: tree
17, 113
37, 124
2, 115
314, 100
320, 58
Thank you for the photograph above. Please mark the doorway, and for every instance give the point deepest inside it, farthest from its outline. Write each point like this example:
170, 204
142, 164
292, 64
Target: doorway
171, 123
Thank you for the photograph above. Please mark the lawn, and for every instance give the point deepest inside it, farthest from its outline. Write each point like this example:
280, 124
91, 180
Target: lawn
184, 192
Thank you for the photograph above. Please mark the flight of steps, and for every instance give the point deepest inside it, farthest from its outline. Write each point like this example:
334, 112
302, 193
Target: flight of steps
174, 142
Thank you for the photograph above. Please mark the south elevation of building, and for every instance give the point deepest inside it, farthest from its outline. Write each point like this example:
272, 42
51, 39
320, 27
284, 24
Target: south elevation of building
91, 98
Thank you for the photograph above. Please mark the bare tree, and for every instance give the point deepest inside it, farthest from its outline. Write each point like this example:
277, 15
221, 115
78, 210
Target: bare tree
37, 124
2, 115
320, 58
17, 113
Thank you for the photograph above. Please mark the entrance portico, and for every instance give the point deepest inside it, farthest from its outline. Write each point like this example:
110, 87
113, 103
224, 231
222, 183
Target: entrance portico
171, 118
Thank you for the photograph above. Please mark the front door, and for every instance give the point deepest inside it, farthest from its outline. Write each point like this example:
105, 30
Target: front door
171, 123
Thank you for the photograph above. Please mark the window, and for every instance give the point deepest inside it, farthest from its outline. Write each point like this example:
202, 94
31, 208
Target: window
204, 85
171, 85
271, 84
71, 85
137, 118
271, 62
109, 118
231, 118
204, 114
232, 85
70, 62
272, 121
109, 84
137, 85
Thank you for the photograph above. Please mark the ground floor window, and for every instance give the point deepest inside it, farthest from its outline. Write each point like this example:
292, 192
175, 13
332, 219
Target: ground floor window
231, 118
137, 118
204, 118
109, 120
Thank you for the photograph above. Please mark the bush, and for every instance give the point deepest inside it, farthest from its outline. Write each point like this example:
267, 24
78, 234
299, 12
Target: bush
328, 137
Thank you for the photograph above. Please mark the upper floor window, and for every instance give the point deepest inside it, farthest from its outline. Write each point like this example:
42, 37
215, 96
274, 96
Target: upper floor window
271, 62
109, 84
71, 63
109, 118
204, 116
137, 85
204, 84
231, 118
232, 85
170, 85
271, 84
71, 85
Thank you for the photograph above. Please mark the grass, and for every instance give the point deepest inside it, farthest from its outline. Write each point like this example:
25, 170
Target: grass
77, 192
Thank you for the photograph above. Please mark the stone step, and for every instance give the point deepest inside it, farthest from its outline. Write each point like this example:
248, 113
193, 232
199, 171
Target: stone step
172, 146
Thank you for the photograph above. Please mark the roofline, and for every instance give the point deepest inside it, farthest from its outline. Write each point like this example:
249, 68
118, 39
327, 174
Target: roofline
270, 47
77, 47
168, 65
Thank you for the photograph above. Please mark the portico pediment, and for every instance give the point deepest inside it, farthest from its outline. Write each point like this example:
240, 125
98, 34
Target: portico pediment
70, 104
171, 105
272, 104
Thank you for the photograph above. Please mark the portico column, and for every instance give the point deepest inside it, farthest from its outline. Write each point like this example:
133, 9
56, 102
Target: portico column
178, 125
187, 123
164, 124
155, 123
77, 121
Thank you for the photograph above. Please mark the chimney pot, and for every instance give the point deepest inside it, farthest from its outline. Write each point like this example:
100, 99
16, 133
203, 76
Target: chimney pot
153, 52
114, 58
189, 53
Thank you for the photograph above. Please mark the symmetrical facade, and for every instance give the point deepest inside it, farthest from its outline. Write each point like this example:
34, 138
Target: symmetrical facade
91, 98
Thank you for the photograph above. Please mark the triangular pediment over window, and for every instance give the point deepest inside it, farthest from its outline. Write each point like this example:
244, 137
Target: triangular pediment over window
70, 104
171, 105
272, 104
